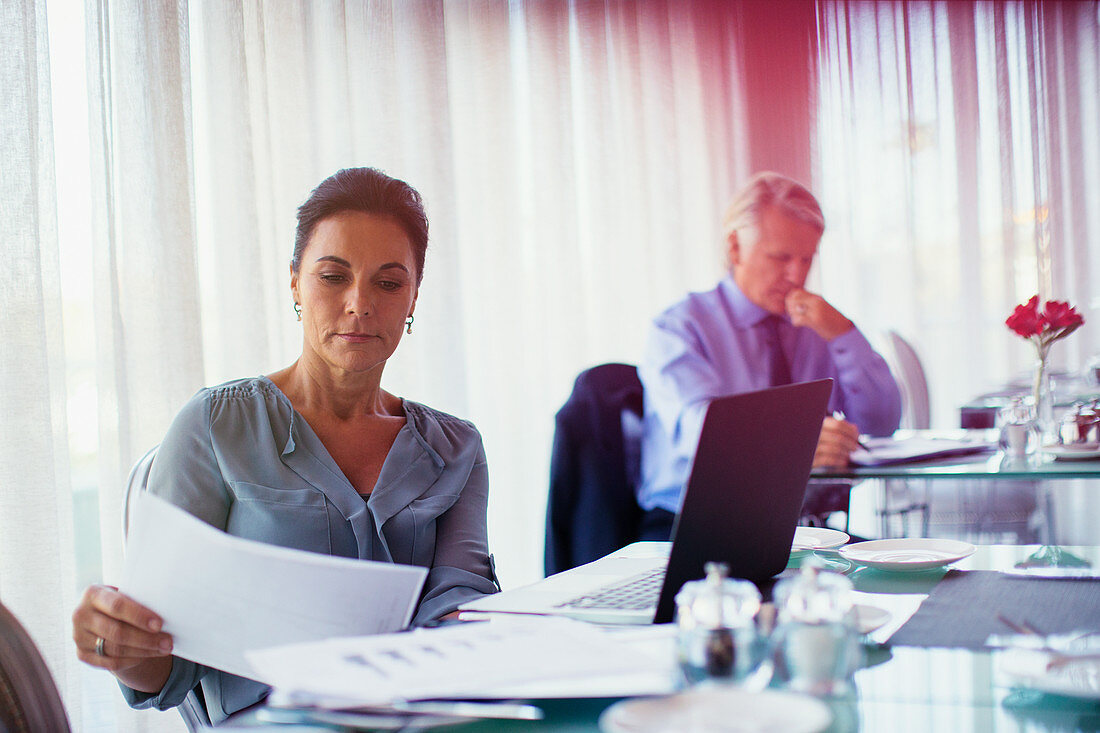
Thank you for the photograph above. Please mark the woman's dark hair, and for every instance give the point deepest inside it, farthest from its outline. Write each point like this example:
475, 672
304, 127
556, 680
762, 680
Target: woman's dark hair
369, 191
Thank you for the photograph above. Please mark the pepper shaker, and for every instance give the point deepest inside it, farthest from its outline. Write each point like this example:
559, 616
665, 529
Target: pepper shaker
715, 631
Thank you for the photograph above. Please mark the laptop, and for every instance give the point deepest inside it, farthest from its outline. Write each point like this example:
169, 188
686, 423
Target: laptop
741, 506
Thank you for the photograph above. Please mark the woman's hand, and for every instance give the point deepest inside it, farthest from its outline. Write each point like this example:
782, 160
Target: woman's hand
115, 632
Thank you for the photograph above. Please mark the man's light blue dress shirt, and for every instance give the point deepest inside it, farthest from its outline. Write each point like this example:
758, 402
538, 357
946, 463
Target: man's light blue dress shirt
713, 344
239, 457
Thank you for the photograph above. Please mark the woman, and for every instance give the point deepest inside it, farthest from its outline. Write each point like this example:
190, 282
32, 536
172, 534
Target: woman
317, 456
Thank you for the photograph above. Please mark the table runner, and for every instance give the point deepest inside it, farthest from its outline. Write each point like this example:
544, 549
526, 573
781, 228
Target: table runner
961, 611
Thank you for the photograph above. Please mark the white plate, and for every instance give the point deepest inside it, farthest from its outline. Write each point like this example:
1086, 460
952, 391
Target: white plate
818, 538
1082, 452
907, 554
807, 539
718, 710
1028, 668
869, 618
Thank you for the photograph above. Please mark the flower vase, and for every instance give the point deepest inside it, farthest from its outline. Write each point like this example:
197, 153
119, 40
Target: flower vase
1043, 397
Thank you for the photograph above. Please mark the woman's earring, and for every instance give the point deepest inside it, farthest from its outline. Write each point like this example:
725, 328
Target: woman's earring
298, 311
409, 324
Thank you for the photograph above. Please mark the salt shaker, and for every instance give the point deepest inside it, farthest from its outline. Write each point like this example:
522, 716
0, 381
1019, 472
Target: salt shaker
715, 631
1079, 426
815, 642
1019, 432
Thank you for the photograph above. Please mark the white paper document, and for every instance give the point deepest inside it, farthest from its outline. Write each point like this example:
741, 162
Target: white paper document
221, 595
888, 451
481, 659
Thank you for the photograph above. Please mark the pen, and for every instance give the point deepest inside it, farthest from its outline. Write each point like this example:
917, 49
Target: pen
839, 415
386, 716
436, 623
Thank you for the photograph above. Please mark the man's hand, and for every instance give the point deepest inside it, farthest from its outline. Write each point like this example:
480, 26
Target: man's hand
838, 439
808, 309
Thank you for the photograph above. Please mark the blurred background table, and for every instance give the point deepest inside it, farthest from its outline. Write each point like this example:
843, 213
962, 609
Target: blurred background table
983, 498
1068, 388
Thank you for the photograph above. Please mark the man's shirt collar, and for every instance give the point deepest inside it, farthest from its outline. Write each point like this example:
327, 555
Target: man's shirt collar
746, 314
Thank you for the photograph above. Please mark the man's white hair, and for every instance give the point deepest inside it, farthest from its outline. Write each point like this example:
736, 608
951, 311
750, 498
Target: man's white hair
769, 189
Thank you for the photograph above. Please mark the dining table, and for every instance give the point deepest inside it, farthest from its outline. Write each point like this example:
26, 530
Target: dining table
986, 462
933, 672
1047, 497
1069, 389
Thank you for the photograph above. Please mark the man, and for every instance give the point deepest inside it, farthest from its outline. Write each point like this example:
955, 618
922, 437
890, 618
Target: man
758, 328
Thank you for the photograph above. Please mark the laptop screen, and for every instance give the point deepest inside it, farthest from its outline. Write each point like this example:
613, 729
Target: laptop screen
744, 496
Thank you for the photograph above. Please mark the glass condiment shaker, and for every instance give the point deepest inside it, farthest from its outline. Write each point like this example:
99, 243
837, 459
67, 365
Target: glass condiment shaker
1019, 431
815, 642
715, 631
1079, 425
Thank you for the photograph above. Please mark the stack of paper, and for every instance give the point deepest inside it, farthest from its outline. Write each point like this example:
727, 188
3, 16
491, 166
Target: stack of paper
221, 595
467, 660
888, 451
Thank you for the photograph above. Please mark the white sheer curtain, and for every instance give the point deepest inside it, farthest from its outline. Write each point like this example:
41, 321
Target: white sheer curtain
36, 539
147, 334
574, 158
959, 168
139, 350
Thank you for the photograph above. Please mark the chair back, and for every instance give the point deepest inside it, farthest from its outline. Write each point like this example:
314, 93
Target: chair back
193, 708
594, 466
29, 700
136, 482
916, 410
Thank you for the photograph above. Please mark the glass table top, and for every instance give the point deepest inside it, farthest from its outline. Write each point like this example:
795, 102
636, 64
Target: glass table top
984, 465
898, 688
990, 466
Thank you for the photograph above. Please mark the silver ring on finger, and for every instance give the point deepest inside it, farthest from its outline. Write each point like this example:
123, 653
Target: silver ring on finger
99, 650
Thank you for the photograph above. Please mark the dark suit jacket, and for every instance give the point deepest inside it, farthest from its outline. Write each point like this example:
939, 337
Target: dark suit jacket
592, 509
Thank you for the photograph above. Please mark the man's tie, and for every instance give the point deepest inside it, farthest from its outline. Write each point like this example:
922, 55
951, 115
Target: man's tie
779, 369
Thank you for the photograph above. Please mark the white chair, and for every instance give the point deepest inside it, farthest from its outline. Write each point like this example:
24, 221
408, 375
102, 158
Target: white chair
135, 484
193, 708
989, 511
903, 359
903, 499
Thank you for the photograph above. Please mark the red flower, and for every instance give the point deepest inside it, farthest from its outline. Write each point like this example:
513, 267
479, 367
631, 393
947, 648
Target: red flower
1043, 326
1060, 314
1026, 319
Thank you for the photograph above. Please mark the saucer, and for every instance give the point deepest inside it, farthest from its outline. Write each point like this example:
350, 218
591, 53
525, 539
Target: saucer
907, 555
1073, 451
807, 539
718, 710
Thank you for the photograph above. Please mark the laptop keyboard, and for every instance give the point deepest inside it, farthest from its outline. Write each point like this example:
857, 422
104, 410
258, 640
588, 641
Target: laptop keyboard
635, 593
